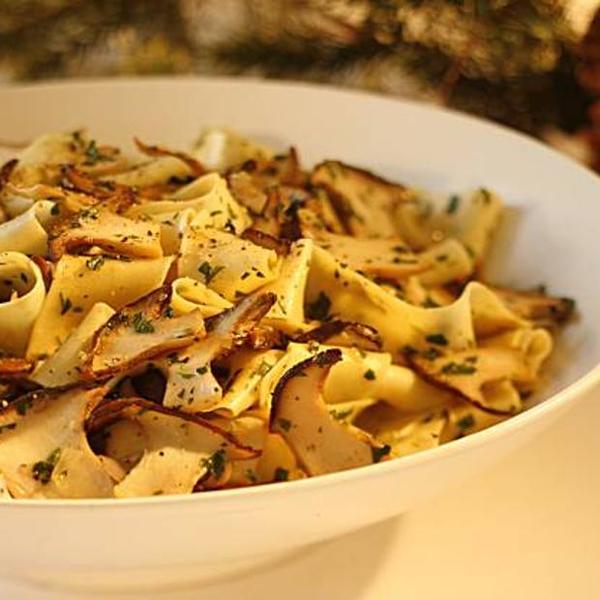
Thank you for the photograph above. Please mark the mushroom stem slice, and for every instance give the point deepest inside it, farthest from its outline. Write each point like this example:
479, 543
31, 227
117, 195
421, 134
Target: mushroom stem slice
321, 443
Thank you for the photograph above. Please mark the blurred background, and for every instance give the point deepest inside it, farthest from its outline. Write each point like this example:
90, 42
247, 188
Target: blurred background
531, 64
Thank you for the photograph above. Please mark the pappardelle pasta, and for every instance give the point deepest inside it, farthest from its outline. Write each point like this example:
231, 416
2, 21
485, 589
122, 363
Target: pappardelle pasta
179, 322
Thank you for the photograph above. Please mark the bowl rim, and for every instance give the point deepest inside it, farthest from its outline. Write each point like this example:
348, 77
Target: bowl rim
568, 395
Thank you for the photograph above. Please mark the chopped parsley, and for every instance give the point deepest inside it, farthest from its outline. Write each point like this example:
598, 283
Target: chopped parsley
23, 405
466, 422
369, 374
437, 338
215, 464
486, 195
319, 309
209, 272
42, 470
93, 154
281, 474
453, 368
380, 452
285, 424
140, 324
431, 354
65, 304
55, 210
453, 204
202, 370
95, 263
251, 475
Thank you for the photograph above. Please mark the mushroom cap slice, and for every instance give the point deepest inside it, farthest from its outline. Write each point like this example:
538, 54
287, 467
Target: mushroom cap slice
538, 307
365, 202
194, 165
42, 435
321, 443
470, 372
109, 231
141, 331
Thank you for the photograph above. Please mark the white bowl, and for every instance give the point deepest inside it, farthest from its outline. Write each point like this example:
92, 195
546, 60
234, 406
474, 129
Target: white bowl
553, 238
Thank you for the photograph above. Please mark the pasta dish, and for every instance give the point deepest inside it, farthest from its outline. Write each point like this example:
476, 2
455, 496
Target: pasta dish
179, 322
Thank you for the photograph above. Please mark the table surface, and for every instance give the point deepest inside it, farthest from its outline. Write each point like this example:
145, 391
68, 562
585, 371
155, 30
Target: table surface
529, 528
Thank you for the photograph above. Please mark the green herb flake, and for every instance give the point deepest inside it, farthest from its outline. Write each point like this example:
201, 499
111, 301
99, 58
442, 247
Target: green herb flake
215, 464
319, 309
209, 272
65, 304
380, 452
140, 324
453, 204
431, 354
486, 195
251, 475
23, 405
466, 422
285, 424
281, 474
369, 374
439, 339
93, 154
43, 469
453, 368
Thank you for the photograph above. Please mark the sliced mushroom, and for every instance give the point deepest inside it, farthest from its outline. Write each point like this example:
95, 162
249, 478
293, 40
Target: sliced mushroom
535, 306
247, 192
260, 238
42, 436
155, 151
365, 202
110, 232
141, 331
322, 444
109, 195
343, 333
191, 385
179, 448
471, 372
